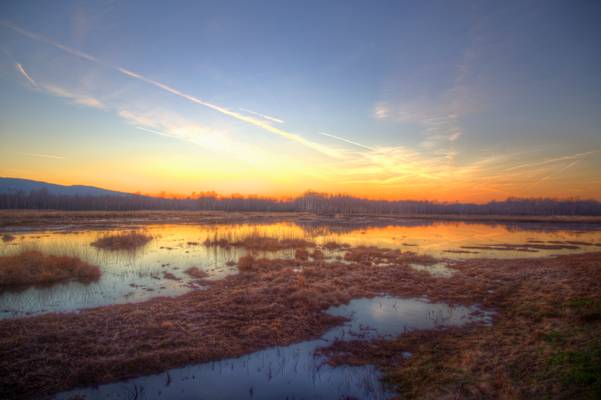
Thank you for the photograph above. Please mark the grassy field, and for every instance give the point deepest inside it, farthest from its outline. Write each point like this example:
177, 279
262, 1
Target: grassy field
31, 267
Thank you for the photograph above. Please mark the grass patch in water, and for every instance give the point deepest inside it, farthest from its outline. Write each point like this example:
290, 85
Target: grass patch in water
122, 241
32, 267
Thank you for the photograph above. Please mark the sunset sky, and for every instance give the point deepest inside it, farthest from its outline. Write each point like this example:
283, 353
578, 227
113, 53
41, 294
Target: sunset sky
443, 100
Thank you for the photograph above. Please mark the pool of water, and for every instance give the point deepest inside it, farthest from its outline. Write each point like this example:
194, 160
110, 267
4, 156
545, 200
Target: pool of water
295, 372
129, 276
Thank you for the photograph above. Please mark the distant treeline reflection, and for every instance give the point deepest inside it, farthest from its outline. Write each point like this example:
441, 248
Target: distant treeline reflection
310, 201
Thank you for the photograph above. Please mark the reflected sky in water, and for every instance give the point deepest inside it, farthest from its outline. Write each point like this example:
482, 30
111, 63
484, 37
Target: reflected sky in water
295, 372
140, 275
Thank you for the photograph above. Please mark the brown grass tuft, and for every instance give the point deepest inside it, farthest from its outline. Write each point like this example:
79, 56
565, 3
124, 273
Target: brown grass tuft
7, 237
301, 254
317, 255
261, 243
167, 325
335, 246
170, 276
246, 263
196, 272
34, 268
122, 241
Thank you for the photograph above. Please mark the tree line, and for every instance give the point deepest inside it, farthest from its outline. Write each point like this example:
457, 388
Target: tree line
310, 201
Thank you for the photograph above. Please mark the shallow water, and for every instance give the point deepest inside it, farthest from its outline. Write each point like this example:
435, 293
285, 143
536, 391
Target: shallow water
295, 372
139, 275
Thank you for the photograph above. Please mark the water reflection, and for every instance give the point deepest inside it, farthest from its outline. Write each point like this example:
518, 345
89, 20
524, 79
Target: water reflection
139, 275
295, 372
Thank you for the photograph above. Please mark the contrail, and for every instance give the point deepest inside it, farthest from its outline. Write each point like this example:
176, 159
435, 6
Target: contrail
279, 121
25, 74
570, 165
346, 140
252, 121
570, 157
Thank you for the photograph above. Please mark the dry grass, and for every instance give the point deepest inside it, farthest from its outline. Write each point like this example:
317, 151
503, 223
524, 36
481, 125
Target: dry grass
170, 276
335, 246
530, 247
544, 342
246, 263
259, 243
7, 237
317, 255
271, 305
196, 272
301, 254
34, 268
122, 241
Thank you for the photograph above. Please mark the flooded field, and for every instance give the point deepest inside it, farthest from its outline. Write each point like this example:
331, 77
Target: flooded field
300, 308
295, 372
158, 267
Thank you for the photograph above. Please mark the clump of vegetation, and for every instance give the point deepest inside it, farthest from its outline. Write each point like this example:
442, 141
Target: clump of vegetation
7, 237
331, 245
170, 276
122, 241
196, 272
301, 254
317, 255
31, 267
246, 263
260, 243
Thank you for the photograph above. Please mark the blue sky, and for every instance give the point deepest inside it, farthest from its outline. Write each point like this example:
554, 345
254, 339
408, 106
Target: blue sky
431, 100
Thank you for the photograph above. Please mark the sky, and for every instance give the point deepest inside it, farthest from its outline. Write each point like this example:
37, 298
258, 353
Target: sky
434, 100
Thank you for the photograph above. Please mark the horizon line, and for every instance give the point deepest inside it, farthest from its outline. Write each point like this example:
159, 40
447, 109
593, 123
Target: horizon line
194, 195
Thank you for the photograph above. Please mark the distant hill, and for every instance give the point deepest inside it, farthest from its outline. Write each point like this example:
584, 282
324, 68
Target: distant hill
15, 185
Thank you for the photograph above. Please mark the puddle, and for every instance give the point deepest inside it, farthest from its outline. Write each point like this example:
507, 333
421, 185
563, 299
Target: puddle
141, 275
440, 269
294, 372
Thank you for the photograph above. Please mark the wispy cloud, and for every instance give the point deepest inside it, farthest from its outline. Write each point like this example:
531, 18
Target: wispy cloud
434, 167
25, 74
567, 157
346, 140
267, 117
173, 126
252, 121
51, 42
41, 155
75, 97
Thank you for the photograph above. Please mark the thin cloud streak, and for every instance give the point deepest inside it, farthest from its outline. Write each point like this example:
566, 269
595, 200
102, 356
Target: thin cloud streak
570, 157
155, 132
25, 74
346, 140
395, 168
41, 155
76, 98
252, 121
267, 117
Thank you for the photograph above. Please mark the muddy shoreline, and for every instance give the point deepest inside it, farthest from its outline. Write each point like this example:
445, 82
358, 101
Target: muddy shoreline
66, 220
